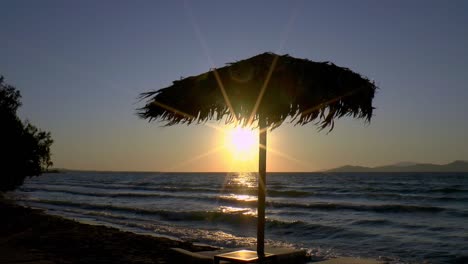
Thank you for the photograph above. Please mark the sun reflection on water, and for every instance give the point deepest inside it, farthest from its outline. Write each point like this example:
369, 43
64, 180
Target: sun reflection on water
239, 197
238, 189
237, 210
241, 179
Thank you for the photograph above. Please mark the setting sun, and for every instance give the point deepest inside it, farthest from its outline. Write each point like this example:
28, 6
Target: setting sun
242, 143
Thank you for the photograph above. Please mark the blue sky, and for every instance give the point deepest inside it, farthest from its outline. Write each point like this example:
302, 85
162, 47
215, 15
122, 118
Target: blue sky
81, 65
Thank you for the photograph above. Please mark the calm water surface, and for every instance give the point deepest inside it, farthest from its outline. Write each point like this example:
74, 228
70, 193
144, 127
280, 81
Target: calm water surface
403, 218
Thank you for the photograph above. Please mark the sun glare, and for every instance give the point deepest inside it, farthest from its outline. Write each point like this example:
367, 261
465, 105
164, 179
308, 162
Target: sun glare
242, 143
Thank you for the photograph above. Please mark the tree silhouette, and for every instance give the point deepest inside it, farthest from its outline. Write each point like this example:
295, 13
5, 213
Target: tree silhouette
25, 150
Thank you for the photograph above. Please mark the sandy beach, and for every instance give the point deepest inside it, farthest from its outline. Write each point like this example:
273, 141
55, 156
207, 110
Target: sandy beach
31, 236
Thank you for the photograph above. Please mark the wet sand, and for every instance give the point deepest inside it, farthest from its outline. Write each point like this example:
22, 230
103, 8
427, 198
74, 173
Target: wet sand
31, 236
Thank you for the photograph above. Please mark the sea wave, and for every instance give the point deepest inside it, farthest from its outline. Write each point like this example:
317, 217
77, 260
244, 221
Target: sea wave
381, 208
252, 203
413, 216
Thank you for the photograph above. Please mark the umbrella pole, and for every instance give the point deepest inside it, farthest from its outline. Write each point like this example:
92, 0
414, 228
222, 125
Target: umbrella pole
261, 188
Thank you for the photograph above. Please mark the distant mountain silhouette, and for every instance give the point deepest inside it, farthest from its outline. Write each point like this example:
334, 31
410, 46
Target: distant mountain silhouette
456, 166
404, 164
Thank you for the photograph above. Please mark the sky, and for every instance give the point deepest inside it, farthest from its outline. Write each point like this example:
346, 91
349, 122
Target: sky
81, 65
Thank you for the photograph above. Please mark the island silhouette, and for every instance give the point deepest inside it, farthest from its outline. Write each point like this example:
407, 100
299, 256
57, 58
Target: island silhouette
455, 166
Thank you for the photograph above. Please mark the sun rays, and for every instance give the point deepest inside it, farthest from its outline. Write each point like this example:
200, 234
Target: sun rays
239, 141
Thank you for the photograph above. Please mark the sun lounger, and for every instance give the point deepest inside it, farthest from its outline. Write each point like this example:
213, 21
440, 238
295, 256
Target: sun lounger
283, 255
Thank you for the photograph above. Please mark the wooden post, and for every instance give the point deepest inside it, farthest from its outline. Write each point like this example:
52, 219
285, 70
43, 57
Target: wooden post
261, 188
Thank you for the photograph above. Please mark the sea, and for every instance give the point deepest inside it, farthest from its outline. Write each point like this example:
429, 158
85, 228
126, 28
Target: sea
395, 217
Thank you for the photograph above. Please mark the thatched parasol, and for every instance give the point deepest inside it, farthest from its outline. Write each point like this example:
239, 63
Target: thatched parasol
265, 89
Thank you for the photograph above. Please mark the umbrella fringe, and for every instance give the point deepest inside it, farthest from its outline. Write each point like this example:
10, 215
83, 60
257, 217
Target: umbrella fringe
267, 86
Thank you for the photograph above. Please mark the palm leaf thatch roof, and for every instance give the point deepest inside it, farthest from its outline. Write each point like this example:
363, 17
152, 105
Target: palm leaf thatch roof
266, 87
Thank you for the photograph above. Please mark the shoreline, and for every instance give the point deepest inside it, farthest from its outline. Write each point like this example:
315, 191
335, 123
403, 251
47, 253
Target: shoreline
31, 236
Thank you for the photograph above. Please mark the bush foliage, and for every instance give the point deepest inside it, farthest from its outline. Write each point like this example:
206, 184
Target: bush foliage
25, 149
